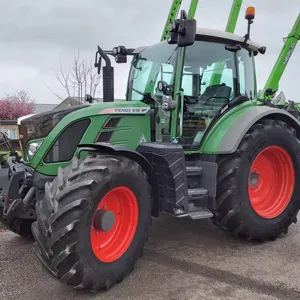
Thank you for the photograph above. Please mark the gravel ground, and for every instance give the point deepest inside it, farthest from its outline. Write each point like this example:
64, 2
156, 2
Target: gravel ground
3, 183
184, 260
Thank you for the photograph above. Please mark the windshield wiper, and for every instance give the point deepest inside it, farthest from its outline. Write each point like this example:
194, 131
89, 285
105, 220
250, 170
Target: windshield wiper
168, 61
139, 92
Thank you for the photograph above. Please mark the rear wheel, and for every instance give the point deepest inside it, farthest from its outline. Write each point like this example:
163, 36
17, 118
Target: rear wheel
257, 192
94, 221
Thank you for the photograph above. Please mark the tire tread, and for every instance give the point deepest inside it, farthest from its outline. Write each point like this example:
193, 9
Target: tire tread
60, 216
227, 217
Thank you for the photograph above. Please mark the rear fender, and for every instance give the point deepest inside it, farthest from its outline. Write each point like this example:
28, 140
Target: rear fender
233, 135
133, 155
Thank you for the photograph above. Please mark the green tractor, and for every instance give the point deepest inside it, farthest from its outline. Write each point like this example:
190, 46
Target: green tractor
192, 140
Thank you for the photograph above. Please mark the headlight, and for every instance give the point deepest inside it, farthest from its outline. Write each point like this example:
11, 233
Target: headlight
32, 149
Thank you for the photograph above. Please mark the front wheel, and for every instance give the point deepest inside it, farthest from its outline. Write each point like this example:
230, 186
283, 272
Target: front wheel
258, 191
94, 221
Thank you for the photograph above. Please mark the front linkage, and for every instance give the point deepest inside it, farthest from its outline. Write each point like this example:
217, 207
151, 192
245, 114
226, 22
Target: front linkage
17, 211
19, 199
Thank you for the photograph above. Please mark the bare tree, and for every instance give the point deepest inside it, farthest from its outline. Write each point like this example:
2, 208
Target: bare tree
80, 80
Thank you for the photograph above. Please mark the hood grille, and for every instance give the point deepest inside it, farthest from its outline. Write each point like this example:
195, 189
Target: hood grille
112, 123
40, 125
105, 137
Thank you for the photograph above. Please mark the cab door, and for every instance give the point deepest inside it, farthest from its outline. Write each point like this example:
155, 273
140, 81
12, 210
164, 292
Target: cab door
210, 78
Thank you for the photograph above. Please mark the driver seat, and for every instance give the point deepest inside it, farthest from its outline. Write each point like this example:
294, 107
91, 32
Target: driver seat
224, 92
209, 92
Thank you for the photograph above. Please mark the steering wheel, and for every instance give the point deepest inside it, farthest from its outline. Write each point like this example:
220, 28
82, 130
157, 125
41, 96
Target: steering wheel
214, 97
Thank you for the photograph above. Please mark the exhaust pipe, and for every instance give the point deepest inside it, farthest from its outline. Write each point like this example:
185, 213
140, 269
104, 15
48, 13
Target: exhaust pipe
108, 75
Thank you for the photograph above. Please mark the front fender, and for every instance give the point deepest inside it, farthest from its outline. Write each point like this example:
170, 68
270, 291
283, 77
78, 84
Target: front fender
115, 149
227, 134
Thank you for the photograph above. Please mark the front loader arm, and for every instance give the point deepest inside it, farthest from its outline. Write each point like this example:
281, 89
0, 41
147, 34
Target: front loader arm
234, 15
288, 48
171, 17
174, 12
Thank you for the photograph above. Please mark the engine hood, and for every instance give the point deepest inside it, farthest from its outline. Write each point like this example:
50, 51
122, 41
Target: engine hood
36, 126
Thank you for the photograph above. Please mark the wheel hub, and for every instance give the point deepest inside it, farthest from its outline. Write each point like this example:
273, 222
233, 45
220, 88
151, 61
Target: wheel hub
271, 182
114, 224
254, 179
104, 220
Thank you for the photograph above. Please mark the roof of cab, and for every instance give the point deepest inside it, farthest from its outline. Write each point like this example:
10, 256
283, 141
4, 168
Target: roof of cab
218, 34
227, 35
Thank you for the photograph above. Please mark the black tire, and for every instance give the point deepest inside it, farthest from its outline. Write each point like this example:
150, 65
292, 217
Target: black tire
234, 212
64, 217
18, 226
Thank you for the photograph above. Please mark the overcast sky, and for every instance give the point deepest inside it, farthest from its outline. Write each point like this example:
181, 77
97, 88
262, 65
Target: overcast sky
35, 34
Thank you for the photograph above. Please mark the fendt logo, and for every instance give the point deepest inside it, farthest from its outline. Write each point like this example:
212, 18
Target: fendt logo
125, 110
130, 110
289, 54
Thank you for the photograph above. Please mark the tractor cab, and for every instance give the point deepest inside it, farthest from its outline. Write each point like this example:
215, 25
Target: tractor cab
189, 80
190, 88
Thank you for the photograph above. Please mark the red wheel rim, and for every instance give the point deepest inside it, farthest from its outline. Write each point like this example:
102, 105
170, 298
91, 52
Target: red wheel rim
111, 245
271, 182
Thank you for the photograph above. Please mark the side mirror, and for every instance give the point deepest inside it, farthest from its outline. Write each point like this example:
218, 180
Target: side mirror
189, 28
183, 31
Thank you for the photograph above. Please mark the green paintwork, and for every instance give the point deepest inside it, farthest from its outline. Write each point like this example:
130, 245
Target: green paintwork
230, 27
284, 57
175, 7
128, 132
178, 78
171, 17
177, 93
193, 8
234, 15
215, 135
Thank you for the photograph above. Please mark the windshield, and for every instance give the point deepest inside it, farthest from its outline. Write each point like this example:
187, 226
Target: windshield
155, 63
